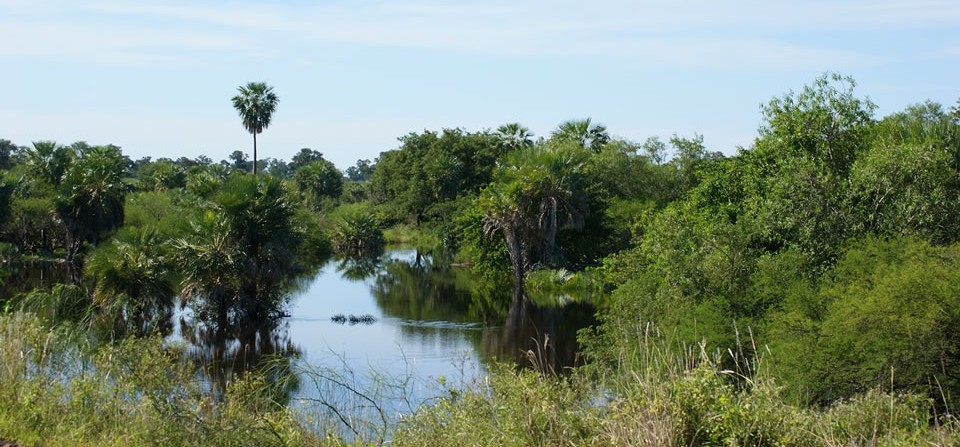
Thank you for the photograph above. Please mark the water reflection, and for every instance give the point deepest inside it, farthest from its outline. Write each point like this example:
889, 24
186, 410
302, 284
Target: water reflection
228, 347
431, 297
428, 317
358, 268
23, 277
542, 337
422, 288
123, 319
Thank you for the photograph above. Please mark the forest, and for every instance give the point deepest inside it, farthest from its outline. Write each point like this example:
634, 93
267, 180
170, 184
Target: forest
803, 290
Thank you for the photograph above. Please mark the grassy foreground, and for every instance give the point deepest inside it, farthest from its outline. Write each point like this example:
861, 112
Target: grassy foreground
140, 392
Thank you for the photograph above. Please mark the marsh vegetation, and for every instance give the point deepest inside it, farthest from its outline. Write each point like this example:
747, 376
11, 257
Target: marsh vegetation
803, 291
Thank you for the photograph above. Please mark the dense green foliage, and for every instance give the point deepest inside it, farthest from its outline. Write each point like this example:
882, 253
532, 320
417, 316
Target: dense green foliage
768, 240
430, 169
805, 288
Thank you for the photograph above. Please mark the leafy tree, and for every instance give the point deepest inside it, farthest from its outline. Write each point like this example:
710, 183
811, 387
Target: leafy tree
691, 156
304, 157
824, 121
255, 103
161, 175
6, 194
430, 170
318, 180
803, 158
279, 168
185, 163
238, 162
7, 151
361, 171
203, 161
582, 132
655, 149
888, 317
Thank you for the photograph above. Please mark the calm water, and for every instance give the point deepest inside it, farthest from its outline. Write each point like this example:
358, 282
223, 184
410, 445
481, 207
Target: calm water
429, 321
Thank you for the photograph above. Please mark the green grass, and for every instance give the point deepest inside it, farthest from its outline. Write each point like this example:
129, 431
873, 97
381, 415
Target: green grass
410, 236
658, 395
135, 392
57, 389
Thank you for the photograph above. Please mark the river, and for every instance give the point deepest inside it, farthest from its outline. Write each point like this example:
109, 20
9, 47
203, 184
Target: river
399, 329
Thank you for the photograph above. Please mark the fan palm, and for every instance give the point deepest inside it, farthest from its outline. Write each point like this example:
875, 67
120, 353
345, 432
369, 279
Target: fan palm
90, 200
255, 103
536, 192
583, 132
515, 135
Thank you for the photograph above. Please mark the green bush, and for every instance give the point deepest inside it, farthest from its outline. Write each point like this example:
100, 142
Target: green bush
356, 230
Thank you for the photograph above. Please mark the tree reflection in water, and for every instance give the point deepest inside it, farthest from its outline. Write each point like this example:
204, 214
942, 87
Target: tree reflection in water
358, 268
431, 304
228, 347
437, 302
542, 337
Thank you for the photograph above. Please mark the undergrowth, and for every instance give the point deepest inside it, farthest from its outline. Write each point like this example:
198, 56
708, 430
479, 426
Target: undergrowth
57, 390
133, 392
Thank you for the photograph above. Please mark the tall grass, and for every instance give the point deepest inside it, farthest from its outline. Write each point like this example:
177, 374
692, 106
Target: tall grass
57, 390
655, 394
133, 392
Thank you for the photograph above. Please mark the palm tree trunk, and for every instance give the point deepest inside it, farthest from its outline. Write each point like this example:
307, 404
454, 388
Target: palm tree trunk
254, 153
515, 250
73, 243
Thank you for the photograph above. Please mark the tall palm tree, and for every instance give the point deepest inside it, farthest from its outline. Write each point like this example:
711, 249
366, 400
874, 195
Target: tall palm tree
583, 132
255, 104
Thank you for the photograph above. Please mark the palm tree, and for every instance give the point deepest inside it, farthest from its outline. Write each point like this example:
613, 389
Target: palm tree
536, 192
47, 161
255, 104
90, 199
588, 136
210, 264
515, 135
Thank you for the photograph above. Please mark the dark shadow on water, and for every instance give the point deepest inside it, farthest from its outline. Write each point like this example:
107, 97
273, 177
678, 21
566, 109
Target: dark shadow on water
22, 277
541, 337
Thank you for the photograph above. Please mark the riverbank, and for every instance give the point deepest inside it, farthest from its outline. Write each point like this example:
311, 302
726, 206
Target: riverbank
140, 392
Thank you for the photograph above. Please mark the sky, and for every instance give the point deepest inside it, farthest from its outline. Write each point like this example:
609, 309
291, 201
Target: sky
156, 77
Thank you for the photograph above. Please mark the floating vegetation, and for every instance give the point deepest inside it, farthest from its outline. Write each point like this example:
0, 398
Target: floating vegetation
353, 319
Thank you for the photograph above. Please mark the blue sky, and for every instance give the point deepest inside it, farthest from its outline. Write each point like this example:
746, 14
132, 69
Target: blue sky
156, 77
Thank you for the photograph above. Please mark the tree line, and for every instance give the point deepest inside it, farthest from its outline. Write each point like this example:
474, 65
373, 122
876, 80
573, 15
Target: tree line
831, 238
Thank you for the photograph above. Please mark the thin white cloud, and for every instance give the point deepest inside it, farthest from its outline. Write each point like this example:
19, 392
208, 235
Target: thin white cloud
148, 32
952, 52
